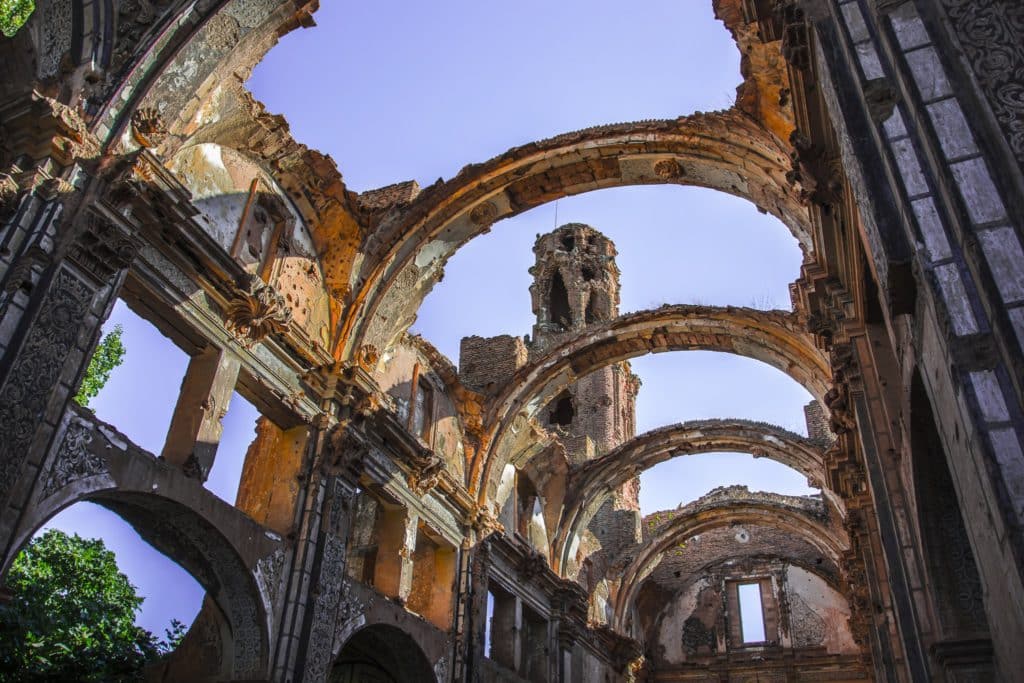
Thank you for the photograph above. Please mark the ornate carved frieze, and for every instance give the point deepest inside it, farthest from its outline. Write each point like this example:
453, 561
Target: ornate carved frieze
36, 370
256, 310
75, 459
328, 593
269, 571
991, 34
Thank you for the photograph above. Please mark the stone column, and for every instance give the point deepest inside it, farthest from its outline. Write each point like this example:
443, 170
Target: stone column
50, 327
195, 430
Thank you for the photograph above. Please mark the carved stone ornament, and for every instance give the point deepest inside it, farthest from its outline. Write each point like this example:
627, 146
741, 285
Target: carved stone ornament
256, 310
268, 574
812, 173
483, 522
483, 214
345, 454
148, 127
367, 357
426, 469
36, 370
532, 565
103, 248
991, 34
75, 460
795, 39
668, 169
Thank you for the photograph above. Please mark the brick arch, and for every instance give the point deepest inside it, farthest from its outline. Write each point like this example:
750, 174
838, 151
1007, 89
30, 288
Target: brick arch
774, 337
590, 482
723, 512
726, 150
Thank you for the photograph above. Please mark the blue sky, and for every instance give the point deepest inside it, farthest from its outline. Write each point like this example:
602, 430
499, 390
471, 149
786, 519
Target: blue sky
396, 91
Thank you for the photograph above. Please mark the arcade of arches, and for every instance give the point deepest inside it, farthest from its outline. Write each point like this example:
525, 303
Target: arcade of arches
403, 519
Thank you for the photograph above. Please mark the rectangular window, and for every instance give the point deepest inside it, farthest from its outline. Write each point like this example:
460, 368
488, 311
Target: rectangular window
423, 410
751, 613
488, 626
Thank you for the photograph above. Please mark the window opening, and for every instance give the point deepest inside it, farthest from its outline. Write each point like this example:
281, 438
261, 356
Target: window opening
423, 410
562, 412
488, 626
591, 313
751, 613
568, 242
559, 303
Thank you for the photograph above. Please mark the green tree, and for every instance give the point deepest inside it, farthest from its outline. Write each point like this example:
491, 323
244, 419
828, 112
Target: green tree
14, 14
71, 616
108, 355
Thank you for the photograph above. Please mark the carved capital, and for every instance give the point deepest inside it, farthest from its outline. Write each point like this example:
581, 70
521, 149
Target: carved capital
256, 310
532, 565
103, 248
425, 471
344, 454
483, 522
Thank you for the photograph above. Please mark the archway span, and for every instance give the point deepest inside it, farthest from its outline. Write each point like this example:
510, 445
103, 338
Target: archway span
589, 482
381, 652
774, 337
727, 151
723, 511
232, 557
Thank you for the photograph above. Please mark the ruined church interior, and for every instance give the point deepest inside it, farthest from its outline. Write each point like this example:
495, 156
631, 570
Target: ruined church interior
406, 517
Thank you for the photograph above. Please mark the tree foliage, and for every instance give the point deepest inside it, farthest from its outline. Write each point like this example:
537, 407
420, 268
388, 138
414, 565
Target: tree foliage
108, 355
14, 14
71, 616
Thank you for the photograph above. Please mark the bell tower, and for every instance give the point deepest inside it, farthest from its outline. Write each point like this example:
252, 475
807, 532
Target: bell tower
575, 282
576, 286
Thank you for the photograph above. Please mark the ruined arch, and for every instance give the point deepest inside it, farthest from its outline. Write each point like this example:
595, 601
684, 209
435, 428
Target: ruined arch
774, 337
225, 551
727, 151
588, 483
384, 653
717, 513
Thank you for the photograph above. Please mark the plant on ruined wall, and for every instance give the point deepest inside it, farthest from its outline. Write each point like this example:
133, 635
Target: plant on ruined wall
14, 14
71, 616
108, 355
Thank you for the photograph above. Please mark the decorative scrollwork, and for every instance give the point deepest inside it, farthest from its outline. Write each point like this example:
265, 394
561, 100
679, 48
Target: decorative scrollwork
991, 33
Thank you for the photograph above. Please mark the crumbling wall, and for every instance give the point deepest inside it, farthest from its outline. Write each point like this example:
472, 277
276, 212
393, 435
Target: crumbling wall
818, 614
395, 378
236, 196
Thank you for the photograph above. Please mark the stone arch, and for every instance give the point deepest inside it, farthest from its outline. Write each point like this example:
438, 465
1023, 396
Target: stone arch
226, 552
589, 482
774, 337
726, 150
715, 514
381, 652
